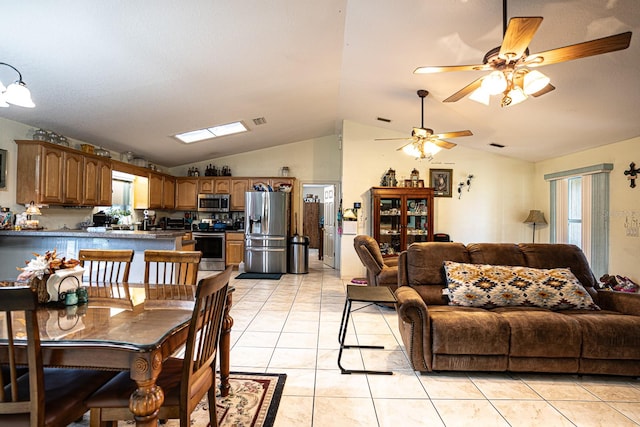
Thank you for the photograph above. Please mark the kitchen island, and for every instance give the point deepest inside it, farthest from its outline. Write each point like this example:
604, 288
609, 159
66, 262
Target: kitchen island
17, 247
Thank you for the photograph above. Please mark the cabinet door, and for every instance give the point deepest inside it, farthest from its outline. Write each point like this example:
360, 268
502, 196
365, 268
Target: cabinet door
417, 219
206, 185
156, 184
104, 183
222, 186
169, 193
73, 178
388, 223
234, 248
186, 194
238, 189
91, 181
51, 176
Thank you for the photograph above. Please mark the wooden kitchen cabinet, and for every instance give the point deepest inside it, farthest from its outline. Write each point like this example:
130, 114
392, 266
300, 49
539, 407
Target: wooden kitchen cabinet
49, 174
156, 186
401, 216
168, 192
213, 185
97, 188
238, 189
186, 194
234, 248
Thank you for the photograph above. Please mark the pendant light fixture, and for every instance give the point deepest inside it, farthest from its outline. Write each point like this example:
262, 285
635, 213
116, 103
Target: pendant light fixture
16, 93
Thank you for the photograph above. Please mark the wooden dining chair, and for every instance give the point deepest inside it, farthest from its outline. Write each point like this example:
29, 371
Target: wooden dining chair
171, 275
41, 396
107, 275
184, 381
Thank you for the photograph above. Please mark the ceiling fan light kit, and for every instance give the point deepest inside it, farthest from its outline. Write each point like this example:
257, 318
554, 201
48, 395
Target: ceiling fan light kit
510, 63
16, 93
424, 144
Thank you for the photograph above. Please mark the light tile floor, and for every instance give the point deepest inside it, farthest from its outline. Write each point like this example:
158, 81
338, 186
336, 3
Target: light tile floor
291, 326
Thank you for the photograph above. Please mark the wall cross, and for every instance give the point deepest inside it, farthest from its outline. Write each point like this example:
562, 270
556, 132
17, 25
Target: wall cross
633, 174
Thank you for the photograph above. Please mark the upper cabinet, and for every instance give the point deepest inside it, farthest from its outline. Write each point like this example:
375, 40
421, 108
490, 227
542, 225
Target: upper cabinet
239, 186
214, 185
97, 178
53, 175
186, 193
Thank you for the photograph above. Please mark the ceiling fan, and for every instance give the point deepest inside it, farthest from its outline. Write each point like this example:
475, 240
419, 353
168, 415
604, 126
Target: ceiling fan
510, 63
423, 142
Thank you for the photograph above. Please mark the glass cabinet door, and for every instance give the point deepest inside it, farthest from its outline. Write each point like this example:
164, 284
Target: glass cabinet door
417, 220
390, 225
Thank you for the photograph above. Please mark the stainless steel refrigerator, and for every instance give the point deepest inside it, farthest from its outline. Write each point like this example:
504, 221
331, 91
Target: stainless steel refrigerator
266, 231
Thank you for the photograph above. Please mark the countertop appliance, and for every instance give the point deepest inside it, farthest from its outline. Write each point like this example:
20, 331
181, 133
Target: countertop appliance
213, 203
266, 230
175, 224
101, 219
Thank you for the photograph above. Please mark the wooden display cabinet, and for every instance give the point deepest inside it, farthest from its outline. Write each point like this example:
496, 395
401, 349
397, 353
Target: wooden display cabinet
401, 216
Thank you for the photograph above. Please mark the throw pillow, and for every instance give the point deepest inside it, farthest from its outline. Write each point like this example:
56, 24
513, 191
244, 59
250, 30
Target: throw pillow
490, 286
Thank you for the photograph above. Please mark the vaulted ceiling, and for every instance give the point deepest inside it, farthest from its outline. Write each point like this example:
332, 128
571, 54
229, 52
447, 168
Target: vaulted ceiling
127, 75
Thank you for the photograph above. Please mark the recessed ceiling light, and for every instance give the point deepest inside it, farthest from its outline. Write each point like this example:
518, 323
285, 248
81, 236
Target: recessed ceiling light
212, 132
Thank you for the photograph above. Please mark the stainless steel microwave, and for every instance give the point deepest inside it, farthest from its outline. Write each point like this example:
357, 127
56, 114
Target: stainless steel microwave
213, 203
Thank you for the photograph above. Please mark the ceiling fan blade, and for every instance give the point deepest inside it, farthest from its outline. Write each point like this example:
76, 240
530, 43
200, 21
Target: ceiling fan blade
519, 34
400, 149
453, 134
443, 144
580, 50
464, 91
442, 69
548, 88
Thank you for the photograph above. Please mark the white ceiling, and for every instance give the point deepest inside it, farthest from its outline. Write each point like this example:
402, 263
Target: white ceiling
129, 74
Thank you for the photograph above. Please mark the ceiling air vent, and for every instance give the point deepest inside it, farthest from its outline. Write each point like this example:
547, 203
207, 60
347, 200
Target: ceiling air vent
259, 121
494, 144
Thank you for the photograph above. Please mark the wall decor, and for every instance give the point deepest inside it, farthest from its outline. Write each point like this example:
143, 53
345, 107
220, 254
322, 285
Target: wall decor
632, 174
3, 168
440, 180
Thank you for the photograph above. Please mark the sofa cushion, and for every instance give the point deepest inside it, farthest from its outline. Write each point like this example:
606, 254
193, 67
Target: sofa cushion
490, 286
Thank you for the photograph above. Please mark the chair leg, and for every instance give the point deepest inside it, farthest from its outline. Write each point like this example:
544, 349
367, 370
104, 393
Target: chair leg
213, 416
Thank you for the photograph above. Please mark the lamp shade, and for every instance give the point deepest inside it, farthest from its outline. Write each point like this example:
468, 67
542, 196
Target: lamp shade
535, 217
18, 94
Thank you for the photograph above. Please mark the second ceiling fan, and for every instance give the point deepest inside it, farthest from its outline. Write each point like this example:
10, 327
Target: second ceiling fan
510, 62
423, 142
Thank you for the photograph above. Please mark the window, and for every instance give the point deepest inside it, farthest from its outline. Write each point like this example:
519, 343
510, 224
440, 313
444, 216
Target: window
574, 208
580, 212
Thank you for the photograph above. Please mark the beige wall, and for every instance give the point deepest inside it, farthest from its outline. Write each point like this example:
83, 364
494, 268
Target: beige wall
624, 201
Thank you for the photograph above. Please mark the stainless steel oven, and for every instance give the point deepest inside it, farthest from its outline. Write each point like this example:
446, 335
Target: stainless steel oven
212, 245
213, 202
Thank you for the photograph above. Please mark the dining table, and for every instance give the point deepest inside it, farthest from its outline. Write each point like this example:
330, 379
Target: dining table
135, 338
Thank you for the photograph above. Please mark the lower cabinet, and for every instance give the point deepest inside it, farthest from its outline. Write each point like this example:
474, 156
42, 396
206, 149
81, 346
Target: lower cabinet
234, 248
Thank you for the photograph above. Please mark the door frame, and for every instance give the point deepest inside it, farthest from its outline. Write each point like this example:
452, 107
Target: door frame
337, 193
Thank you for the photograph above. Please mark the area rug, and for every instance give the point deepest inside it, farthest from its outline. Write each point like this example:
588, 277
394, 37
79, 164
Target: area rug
262, 276
252, 402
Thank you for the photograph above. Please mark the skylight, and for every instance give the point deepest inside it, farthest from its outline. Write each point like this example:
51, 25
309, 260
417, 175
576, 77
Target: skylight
212, 132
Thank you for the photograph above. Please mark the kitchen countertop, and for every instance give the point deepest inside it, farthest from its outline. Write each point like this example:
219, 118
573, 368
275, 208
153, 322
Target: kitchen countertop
112, 234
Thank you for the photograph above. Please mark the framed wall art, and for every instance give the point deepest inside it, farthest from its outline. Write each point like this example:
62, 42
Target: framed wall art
3, 168
440, 180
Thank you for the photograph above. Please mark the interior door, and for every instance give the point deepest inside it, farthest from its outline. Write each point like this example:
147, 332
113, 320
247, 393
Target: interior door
329, 234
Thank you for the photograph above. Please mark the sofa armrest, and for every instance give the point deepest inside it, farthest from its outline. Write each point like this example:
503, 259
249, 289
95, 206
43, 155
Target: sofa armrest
391, 261
413, 322
622, 302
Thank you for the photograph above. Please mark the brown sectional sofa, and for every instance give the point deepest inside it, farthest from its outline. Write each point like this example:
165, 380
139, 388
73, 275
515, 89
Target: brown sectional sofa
439, 336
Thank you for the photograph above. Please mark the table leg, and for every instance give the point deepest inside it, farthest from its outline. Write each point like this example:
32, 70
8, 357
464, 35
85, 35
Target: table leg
146, 400
225, 348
